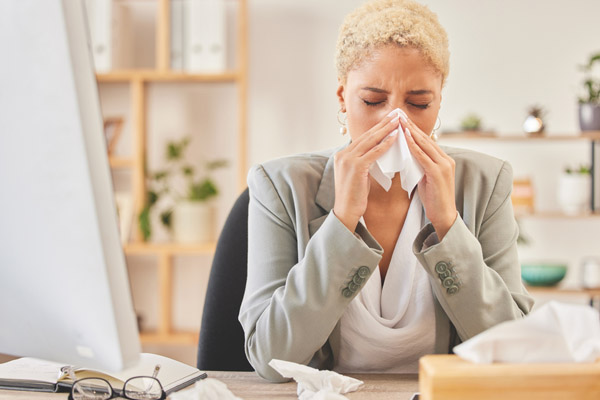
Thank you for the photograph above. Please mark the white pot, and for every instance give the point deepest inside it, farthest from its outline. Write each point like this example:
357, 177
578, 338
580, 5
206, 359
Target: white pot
574, 191
193, 222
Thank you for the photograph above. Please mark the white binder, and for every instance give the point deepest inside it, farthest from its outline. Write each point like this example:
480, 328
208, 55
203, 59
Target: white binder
205, 36
100, 25
109, 23
177, 37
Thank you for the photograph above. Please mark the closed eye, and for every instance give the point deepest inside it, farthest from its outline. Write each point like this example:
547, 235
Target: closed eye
371, 103
420, 106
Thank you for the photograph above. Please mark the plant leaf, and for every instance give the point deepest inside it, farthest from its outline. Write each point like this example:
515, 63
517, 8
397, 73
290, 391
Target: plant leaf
203, 190
144, 221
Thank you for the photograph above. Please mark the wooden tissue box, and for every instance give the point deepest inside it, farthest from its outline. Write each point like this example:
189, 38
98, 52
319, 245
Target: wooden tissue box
448, 377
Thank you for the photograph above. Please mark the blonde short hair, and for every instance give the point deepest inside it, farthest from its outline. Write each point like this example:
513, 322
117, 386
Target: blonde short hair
380, 22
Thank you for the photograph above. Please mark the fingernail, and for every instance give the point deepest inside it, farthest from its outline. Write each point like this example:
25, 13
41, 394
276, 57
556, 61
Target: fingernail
403, 115
407, 133
394, 133
395, 111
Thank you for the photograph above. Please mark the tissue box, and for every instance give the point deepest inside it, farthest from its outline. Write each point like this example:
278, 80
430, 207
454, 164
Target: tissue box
449, 377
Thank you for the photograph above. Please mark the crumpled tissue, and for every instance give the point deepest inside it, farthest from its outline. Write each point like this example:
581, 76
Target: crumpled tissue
314, 384
556, 332
205, 389
397, 159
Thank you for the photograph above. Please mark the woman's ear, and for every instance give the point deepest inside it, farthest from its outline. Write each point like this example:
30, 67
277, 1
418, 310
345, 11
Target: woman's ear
340, 95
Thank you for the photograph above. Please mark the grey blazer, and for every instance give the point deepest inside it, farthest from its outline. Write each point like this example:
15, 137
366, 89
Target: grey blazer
305, 266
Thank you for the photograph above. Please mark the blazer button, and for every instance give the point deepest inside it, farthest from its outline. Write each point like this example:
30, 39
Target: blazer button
445, 274
448, 282
347, 293
354, 287
441, 267
452, 289
363, 272
357, 279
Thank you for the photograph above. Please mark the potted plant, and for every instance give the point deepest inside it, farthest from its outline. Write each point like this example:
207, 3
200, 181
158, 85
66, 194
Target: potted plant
471, 122
589, 104
574, 190
188, 214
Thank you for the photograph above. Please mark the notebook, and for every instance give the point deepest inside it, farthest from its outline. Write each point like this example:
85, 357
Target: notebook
33, 374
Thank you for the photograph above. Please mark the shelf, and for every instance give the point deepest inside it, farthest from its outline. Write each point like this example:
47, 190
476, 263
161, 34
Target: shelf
562, 290
182, 338
557, 215
591, 135
119, 162
150, 75
142, 248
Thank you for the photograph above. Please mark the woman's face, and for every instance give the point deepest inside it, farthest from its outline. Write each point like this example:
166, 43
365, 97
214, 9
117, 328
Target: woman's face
393, 77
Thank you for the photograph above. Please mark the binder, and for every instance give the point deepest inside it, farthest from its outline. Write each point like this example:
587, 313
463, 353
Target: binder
205, 36
177, 37
99, 14
109, 26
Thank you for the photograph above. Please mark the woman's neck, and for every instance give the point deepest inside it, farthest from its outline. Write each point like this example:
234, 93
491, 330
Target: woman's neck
378, 194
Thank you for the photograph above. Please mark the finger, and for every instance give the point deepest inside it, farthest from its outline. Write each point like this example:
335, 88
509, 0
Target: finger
373, 136
379, 149
426, 143
417, 152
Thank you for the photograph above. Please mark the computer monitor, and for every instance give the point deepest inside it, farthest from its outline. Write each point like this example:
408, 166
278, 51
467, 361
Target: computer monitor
64, 288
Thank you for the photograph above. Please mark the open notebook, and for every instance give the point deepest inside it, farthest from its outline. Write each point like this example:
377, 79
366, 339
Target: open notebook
38, 375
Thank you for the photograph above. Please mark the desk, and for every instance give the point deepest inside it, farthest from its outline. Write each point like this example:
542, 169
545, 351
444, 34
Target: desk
250, 386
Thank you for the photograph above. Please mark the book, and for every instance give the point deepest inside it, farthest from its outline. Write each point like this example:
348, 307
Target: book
33, 374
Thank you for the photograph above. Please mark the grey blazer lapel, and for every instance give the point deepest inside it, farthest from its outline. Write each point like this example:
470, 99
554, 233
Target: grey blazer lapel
325, 197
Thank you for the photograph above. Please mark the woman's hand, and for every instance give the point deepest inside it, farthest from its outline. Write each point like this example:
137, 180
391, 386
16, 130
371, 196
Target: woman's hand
352, 169
436, 189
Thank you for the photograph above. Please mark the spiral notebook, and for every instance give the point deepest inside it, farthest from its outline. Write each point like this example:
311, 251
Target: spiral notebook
33, 374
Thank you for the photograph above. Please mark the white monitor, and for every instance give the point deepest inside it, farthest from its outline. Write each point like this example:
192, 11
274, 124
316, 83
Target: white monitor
64, 288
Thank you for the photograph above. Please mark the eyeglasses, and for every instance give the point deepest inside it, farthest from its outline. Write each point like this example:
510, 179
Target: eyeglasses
136, 388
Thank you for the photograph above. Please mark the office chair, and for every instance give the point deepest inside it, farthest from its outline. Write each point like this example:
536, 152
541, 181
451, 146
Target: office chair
221, 343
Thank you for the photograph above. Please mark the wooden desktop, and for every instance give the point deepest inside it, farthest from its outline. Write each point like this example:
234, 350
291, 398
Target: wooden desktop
249, 386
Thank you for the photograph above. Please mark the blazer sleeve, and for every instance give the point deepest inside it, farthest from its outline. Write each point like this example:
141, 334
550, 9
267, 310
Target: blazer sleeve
476, 277
291, 304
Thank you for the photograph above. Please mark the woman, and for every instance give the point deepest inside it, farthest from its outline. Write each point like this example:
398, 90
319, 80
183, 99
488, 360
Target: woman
345, 275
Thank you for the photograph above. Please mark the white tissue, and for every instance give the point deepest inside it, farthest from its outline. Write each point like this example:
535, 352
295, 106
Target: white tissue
205, 389
556, 332
397, 159
314, 384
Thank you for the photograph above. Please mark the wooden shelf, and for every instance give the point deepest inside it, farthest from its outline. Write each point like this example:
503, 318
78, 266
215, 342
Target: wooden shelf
563, 290
591, 135
119, 162
142, 248
557, 215
140, 83
151, 75
182, 338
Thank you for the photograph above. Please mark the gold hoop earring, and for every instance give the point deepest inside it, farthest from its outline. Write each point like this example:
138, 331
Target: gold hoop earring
341, 117
433, 134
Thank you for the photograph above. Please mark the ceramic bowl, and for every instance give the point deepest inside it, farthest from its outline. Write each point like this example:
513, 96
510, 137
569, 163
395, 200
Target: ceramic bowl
543, 274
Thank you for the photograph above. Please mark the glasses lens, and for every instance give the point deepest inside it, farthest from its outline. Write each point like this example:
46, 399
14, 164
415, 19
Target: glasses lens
91, 389
143, 388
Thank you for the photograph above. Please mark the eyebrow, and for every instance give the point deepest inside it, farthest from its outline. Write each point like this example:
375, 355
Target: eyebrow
412, 92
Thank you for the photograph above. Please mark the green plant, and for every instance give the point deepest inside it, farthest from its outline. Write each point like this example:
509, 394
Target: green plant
583, 169
198, 184
471, 122
591, 84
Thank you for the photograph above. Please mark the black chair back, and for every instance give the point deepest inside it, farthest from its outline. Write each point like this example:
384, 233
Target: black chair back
221, 344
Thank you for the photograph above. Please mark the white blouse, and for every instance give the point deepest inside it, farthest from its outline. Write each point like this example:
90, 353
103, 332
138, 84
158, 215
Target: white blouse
388, 328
